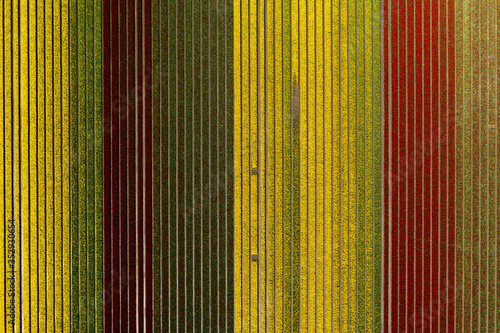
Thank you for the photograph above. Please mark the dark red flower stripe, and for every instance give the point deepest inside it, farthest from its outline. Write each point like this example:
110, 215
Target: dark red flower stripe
127, 165
420, 163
